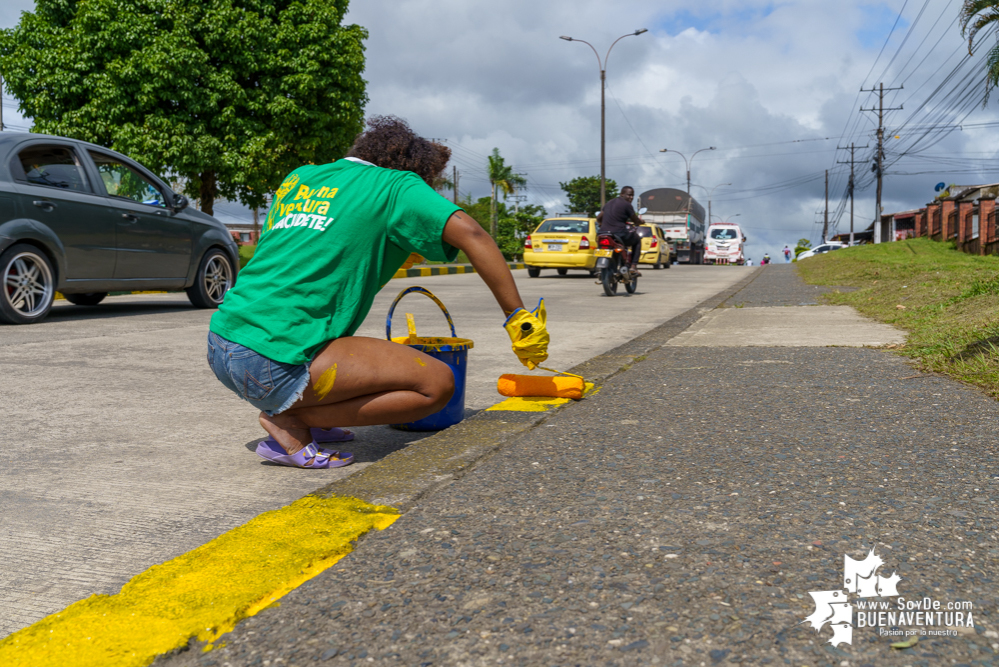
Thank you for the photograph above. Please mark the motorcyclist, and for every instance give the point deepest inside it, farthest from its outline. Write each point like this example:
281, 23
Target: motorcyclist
766, 259
618, 217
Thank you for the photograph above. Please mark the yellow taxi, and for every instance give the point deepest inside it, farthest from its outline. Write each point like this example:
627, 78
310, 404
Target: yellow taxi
562, 244
655, 250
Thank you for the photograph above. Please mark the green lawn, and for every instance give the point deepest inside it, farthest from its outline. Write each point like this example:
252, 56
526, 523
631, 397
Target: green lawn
245, 253
946, 300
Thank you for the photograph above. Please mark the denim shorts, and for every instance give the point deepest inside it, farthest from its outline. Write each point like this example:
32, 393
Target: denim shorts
268, 385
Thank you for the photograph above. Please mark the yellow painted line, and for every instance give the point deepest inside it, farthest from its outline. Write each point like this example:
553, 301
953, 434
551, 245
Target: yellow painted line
529, 404
203, 593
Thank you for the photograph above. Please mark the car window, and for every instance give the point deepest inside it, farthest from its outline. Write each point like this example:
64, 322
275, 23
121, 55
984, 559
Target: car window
644, 232
53, 166
564, 226
835, 247
121, 180
723, 234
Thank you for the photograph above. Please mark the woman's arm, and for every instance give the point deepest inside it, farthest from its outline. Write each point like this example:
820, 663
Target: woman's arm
465, 234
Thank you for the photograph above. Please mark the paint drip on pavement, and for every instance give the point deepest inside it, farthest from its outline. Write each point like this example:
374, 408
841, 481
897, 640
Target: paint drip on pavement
202, 593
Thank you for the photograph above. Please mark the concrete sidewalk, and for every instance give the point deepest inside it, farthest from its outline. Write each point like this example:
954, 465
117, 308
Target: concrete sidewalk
680, 516
121, 449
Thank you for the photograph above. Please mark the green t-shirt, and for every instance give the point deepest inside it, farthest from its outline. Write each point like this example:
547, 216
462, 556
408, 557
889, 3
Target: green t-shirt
335, 234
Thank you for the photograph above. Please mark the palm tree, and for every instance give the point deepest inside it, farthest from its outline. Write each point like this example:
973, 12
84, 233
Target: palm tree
976, 15
501, 177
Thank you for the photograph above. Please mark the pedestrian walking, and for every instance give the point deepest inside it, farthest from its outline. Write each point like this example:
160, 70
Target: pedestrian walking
283, 339
749, 261
787, 254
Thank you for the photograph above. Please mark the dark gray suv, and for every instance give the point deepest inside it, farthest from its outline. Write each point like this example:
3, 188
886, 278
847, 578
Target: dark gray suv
85, 221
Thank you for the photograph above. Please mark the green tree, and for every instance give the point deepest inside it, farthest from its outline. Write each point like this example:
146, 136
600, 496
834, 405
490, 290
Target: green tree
480, 209
226, 96
976, 15
501, 177
803, 245
584, 193
514, 226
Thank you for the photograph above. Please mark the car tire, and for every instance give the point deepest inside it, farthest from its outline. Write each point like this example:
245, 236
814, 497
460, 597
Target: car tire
214, 278
86, 299
533, 272
28, 285
658, 265
562, 272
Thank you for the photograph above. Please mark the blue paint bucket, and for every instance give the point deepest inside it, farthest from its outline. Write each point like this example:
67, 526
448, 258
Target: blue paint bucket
452, 351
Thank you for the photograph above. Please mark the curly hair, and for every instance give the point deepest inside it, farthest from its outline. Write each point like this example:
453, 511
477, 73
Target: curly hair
389, 142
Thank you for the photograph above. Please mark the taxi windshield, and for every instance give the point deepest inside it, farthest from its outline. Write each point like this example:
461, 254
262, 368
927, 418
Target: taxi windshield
564, 226
724, 234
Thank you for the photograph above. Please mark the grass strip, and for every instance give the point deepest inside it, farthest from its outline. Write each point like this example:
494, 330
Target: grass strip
201, 594
947, 301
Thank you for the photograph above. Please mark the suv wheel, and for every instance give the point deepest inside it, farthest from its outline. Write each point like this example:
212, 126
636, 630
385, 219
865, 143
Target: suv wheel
533, 272
87, 299
215, 277
28, 285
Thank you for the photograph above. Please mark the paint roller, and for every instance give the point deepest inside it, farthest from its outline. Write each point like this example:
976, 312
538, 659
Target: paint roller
562, 385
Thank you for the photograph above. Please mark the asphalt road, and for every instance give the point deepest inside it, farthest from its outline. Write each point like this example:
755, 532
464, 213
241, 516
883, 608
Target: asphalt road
680, 516
121, 450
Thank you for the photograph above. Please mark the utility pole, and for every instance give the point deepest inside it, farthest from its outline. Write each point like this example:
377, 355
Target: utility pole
1, 102
825, 218
603, 106
850, 185
878, 166
454, 181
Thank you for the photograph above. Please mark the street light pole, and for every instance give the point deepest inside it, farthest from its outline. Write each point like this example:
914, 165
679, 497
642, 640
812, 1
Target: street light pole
603, 107
687, 164
711, 193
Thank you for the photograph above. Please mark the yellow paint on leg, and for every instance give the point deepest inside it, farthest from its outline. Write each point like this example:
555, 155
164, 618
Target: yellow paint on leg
203, 593
420, 361
324, 384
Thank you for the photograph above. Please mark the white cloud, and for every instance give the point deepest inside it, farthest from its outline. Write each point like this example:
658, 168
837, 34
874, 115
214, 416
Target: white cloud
732, 74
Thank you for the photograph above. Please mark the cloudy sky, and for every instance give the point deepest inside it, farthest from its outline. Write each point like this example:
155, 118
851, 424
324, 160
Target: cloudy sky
774, 86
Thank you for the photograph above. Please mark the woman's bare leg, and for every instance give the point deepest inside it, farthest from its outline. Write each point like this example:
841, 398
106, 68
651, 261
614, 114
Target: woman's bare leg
359, 381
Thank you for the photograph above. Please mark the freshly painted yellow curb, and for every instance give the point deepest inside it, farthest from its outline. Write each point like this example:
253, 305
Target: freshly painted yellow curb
203, 593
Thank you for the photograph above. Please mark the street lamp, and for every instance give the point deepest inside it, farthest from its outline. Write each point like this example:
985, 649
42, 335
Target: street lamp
710, 192
685, 161
603, 79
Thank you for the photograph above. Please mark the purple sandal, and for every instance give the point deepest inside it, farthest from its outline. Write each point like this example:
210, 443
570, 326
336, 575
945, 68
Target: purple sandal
333, 434
321, 458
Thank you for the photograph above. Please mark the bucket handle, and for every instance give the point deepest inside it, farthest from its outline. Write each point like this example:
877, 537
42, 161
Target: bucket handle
418, 290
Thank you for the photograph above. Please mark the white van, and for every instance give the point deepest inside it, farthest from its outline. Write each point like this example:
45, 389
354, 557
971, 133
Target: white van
725, 244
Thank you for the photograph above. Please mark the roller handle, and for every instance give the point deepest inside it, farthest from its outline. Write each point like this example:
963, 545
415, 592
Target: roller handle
416, 289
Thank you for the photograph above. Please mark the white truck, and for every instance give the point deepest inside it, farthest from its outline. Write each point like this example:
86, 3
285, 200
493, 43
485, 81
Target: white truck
725, 244
681, 219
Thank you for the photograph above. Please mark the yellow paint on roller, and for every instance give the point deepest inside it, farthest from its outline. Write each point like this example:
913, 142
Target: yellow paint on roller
535, 403
203, 593
324, 384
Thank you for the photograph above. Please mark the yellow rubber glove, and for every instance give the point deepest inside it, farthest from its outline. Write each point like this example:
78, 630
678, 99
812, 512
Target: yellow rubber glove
529, 335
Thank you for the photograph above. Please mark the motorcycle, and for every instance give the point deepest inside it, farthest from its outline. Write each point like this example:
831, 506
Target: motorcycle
613, 262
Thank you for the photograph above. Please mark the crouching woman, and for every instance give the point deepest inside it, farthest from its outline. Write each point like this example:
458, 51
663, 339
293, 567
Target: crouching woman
336, 233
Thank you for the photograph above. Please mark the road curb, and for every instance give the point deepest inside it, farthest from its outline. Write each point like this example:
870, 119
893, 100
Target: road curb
416, 272
445, 270
403, 477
